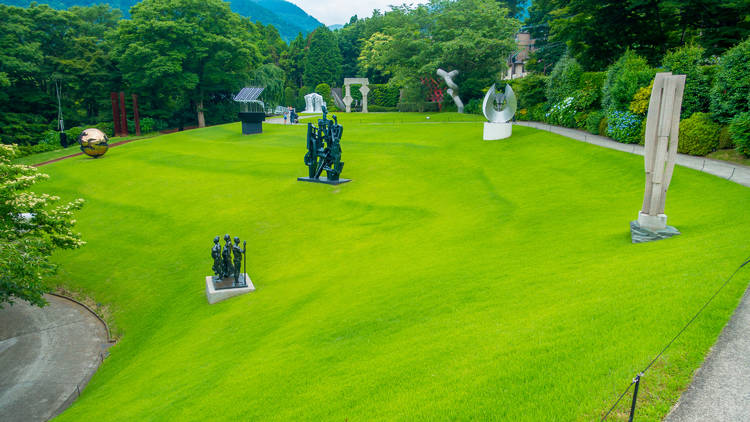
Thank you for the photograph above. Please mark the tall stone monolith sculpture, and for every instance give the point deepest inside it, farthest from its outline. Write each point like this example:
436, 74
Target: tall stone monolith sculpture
660, 154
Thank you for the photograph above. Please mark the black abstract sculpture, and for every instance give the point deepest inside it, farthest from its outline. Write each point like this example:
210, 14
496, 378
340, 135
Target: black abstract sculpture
324, 151
228, 263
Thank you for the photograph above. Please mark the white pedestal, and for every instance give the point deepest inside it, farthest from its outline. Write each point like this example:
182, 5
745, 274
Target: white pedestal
494, 131
652, 222
215, 296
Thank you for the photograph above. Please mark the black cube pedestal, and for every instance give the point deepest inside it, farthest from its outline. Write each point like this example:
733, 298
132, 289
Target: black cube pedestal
252, 122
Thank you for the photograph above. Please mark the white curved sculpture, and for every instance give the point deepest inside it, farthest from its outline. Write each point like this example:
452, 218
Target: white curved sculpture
499, 109
452, 87
314, 103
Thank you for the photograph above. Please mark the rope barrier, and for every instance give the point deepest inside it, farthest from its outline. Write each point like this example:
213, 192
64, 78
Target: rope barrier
637, 378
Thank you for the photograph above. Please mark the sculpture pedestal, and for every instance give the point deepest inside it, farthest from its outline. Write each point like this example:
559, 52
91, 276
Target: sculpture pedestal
494, 131
252, 122
651, 227
323, 180
223, 289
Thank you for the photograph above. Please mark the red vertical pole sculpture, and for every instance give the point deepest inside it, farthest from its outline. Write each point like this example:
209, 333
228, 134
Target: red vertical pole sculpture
136, 118
116, 114
123, 115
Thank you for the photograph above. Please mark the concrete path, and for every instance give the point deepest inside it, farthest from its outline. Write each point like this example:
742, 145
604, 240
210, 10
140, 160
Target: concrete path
720, 390
733, 172
47, 355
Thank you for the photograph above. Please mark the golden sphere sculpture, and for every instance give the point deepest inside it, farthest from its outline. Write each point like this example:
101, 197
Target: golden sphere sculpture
93, 142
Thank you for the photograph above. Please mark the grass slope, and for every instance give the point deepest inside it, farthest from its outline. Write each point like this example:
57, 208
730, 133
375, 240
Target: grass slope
452, 279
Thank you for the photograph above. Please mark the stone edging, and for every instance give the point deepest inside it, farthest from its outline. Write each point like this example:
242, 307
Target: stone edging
736, 173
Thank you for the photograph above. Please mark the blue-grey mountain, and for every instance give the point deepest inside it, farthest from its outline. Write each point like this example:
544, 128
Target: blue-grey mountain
288, 19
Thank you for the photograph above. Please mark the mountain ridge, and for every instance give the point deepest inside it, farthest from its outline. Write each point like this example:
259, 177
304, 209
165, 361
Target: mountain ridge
288, 18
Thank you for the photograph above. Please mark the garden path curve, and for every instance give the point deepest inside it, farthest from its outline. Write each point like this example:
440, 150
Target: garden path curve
47, 355
736, 173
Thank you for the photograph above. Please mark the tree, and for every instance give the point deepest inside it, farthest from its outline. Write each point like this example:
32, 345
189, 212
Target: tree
30, 230
186, 50
472, 36
292, 61
323, 58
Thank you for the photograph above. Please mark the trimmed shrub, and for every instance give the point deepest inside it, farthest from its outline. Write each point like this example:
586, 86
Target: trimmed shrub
24, 150
290, 96
73, 133
562, 113
641, 99
530, 90
593, 120
603, 124
420, 107
687, 61
725, 138
380, 109
564, 80
739, 128
699, 135
628, 74
589, 95
730, 94
474, 106
384, 95
624, 126
325, 91
109, 127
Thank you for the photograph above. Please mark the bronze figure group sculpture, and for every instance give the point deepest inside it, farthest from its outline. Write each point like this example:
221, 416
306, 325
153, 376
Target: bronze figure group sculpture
324, 151
228, 261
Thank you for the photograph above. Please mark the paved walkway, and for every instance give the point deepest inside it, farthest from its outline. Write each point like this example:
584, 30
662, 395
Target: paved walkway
47, 355
720, 391
733, 172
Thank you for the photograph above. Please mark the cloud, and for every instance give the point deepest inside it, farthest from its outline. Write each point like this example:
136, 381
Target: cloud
339, 11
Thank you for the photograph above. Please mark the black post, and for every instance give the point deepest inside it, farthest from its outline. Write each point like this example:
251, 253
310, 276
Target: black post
244, 246
635, 397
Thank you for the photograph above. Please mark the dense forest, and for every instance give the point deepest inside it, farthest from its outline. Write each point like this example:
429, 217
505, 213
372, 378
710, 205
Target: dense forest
287, 18
185, 58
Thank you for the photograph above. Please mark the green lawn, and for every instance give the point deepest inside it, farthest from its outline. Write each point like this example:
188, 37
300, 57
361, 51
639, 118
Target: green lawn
453, 279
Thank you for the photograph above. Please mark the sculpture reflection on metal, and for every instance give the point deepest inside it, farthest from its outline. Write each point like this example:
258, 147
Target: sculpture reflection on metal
452, 87
499, 109
324, 151
93, 142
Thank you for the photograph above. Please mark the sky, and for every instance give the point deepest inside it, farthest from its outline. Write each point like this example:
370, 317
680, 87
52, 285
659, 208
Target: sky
332, 12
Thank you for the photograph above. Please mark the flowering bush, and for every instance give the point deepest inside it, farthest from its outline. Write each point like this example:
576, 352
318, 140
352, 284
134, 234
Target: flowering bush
30, 230
562, 113
641, 99
624, 126
699, 135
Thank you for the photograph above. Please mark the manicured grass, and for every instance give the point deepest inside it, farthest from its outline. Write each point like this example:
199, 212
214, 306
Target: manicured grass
731, 155
453, 279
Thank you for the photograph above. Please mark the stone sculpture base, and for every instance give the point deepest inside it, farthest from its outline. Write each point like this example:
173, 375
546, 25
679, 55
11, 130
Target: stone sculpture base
323, 180
494, 131
223, 289
649, 228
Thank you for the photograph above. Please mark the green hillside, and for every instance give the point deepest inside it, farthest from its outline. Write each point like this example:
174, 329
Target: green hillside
452, 279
